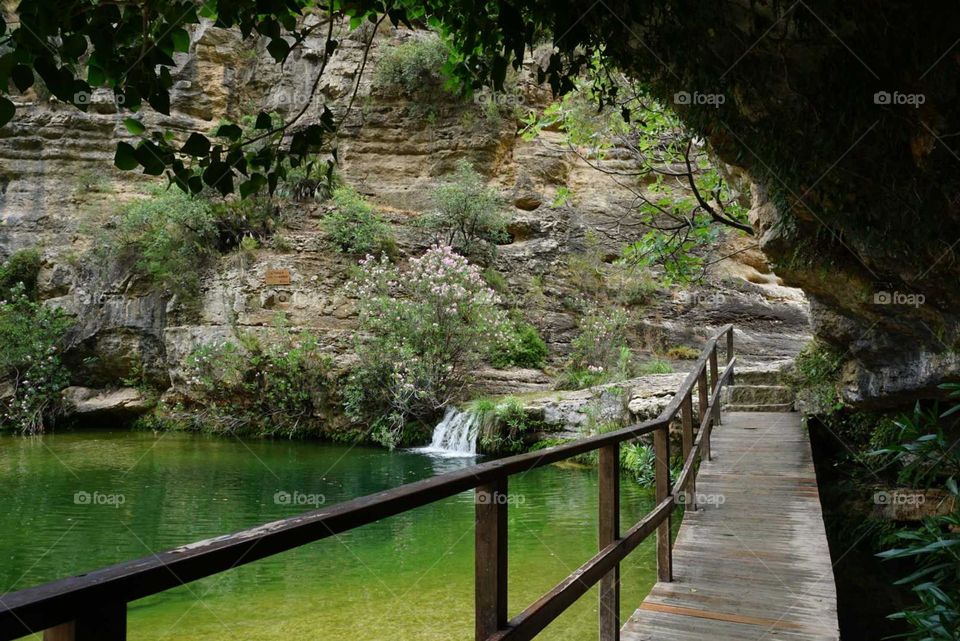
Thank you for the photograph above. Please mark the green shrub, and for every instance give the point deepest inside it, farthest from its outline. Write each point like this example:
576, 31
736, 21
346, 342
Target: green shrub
425, 330
602, 339
277, 387
523, 347
467, 215
637, 460
683, 353
817, 376
510, 425
32, 336
414, 68
574, 378
354, 226
654, 366
22, 268
169, 238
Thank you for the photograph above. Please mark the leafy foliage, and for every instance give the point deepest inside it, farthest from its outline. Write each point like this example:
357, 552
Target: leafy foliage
817, 375
21, 269
33, 337
413, 68
679, 195
637, 460
276, 387
354, 226
683, 353
522, 347
168, 238
468, 215
426, 328
506, 425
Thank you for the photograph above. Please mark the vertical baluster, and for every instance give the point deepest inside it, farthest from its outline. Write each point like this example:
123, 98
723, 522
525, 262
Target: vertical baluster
686, 414
703, 398
661, 448
104, 623
714, 384
609, 532
490, 527
730, 344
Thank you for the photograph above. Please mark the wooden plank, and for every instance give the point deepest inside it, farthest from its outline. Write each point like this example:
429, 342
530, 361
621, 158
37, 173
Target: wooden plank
490, 555
686, 416
277, 276
714, 384
756, 564
609, 530
704, 406
661, 447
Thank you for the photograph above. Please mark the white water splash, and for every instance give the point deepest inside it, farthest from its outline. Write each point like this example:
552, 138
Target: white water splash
455, 435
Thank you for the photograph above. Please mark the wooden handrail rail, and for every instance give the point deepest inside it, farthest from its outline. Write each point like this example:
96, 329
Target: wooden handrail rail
93, 605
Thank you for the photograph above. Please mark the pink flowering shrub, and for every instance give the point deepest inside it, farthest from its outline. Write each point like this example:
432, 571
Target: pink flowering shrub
425, 330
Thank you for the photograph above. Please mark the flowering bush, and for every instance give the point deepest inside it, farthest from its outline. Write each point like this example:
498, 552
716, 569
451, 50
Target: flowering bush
32, 339
426, 328
280, 388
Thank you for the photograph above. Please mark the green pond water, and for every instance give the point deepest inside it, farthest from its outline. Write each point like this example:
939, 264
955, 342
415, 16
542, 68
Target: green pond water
405, 577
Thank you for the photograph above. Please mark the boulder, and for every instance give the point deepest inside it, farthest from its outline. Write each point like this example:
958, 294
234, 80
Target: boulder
119, 403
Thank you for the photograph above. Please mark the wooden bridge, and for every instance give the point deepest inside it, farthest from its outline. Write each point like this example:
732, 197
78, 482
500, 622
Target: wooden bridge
750, 562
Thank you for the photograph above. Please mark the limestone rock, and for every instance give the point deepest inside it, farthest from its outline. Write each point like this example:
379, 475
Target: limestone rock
117, 403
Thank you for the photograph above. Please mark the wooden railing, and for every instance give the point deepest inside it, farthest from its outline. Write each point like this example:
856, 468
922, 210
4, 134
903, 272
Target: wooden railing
93, 607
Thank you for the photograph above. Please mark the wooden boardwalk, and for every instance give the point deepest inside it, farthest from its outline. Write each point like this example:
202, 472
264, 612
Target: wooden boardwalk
756, 565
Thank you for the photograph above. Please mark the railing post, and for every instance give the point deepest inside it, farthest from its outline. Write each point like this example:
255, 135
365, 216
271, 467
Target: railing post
714, 384
661, 448
104, 623
686, 414
490, 526
730, 344
704, 407
609, 532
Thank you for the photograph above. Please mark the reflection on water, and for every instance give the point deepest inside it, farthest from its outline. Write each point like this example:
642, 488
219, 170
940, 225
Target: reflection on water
74, 502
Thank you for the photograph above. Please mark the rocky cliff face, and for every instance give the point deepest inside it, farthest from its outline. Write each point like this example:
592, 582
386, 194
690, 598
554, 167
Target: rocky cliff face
58, 190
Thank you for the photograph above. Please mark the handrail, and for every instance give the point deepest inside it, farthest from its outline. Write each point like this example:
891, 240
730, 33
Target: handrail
93, 605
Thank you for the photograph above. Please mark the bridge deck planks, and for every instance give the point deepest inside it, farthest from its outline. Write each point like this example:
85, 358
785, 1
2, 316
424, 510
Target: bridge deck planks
756, 566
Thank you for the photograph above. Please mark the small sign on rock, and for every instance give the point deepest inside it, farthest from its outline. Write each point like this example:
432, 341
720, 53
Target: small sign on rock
277, 277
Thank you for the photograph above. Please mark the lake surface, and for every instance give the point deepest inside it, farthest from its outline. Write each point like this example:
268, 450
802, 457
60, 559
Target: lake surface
74, 502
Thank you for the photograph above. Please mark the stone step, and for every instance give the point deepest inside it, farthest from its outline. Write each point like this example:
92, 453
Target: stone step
758, 407
759, 376
759, 394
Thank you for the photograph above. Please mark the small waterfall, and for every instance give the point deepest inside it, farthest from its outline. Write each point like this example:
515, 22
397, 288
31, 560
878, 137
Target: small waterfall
455, 435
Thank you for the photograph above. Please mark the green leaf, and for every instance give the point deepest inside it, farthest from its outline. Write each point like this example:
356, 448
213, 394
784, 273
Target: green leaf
279, 49
125, 157
181, 40
74, 46
134, 126
22, 77
96, 76
263, 121
148, 155
231, 132
6, 111
196, 145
